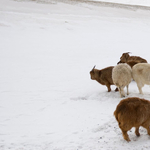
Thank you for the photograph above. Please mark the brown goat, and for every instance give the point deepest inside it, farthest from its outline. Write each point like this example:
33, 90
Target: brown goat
103, 76
131, 63
133, 112
131, 60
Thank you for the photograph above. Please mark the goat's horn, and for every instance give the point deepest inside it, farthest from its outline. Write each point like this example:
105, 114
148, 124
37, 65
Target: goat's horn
129, 52
94, 67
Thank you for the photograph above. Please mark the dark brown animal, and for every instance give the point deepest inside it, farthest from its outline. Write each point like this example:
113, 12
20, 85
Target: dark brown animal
131, 60
133, 112
103, 76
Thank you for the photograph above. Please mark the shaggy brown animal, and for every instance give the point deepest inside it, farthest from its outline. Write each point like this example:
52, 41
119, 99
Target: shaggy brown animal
133, 112
103, 76
131, 60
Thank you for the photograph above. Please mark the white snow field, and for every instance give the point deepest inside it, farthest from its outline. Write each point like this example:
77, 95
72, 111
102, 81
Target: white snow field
47, 49
126, 2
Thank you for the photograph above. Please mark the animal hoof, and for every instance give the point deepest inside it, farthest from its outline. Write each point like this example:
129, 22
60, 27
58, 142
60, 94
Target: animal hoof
122, 96
128, 140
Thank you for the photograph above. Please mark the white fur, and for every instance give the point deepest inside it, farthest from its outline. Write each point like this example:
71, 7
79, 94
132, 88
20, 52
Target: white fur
122, 76
141, 75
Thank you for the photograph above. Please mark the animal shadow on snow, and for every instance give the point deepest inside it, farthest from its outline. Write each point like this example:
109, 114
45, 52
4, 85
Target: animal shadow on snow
98, 95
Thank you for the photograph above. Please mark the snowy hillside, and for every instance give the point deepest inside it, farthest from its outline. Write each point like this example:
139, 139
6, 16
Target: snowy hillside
47, 99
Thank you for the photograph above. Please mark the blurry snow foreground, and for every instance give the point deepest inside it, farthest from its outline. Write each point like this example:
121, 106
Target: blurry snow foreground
48, 101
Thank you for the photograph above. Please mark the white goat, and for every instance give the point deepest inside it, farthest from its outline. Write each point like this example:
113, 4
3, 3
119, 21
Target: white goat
141, 75
122, 76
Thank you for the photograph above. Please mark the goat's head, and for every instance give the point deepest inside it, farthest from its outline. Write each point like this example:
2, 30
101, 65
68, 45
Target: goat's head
124, 57
92, 73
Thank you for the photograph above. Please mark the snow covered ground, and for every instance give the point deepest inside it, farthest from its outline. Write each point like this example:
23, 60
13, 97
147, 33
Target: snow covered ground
127, 2
47, 99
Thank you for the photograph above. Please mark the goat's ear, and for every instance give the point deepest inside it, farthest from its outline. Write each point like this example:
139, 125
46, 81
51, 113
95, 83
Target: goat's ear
126, 56
119, 62
94, 67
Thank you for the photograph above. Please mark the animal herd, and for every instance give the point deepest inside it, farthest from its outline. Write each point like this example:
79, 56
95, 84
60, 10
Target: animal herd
132, 111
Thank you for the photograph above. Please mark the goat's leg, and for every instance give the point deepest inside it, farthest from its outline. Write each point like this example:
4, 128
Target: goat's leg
148, 130
125, 135
137, 131
127, 89
140, 85
147, 126
125, 128
108, 87
120, 91
122, 94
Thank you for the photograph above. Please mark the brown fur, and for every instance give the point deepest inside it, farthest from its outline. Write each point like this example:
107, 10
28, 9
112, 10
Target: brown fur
131, 60
132, 63
103, 76
133, 112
